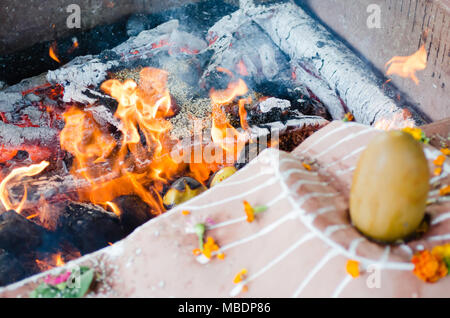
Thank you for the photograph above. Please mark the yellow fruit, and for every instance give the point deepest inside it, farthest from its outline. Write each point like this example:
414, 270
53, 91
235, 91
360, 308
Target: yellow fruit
390, 187
222, 174
181, 191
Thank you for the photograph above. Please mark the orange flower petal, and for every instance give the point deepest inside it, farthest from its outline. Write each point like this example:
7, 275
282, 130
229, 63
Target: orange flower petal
306, 166
221, 256
353, 268
439, 160
249, 211
186, 213
438, 171
240, 276
445, 151
444, 191
196, 252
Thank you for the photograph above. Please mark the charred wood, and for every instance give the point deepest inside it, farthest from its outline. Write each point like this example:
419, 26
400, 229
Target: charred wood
89, 227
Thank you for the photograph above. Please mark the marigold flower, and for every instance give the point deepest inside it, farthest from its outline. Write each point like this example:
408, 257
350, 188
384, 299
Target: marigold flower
429, 267
445, 151
438, 171
240, 276
252, 211
444, 191
442, 251
417, 133
439, 160
348, 117
209, 247
353, 268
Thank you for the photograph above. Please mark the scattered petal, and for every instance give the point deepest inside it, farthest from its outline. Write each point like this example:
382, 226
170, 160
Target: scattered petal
353, 268
240, 276
440, 160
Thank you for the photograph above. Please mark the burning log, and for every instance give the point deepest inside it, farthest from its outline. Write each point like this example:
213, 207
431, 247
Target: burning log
89, 227
133, 212
311, 48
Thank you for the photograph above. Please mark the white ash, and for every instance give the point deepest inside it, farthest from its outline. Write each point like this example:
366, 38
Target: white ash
180, 39
78, 75
15, 136
36, 116
33, 97
145, 39
321, 89
103, 116
271, 103
280, 127
7, 101
238, 39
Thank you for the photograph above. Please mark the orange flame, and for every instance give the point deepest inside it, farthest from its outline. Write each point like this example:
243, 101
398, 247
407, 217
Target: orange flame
19, 173
55, 260
407, 66
137, 164
52, 52
114, 207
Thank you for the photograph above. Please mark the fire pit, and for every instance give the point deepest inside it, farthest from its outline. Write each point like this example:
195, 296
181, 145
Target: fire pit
167, 124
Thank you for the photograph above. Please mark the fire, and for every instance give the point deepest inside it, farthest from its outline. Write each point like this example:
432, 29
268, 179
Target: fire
114, 207
52, 52
222, 132
407, 66
398, 121
140, 162
19, 173
55, 260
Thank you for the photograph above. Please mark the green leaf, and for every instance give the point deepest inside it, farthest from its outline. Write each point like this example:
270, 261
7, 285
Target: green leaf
67, 290
45, 291
87, 275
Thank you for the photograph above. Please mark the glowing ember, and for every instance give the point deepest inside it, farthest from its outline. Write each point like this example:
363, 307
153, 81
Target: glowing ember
52, 52
114, 207
19, 173
56, 260
407, 66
